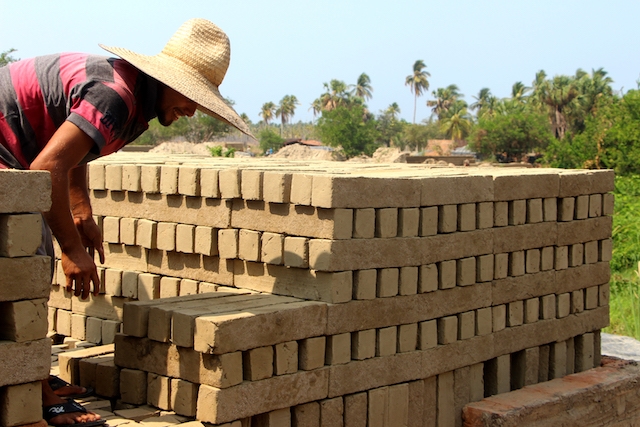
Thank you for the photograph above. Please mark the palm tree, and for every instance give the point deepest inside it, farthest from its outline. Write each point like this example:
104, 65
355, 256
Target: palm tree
418, 83
363, 87
519, 91
561, 92
316, 106
268, 112
336, 94
457, 124
286, 110
444, 99
392, 111
482, 100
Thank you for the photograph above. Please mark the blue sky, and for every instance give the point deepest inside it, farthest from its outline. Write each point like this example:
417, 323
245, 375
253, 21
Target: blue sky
292, 47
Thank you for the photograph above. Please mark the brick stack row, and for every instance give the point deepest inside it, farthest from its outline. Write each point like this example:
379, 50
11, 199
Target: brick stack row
400, 289
25, 278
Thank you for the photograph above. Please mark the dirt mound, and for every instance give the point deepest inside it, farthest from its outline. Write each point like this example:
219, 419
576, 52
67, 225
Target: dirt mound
183, 148
302, 152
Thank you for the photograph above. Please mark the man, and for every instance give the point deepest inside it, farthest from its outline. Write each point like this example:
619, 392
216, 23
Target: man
58, 112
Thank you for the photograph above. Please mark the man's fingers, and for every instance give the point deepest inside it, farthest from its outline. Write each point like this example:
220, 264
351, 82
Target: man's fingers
96, 283
101, 253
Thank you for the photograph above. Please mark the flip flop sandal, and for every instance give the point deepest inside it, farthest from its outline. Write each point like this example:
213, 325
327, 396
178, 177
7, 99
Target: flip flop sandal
69, 407
57, 383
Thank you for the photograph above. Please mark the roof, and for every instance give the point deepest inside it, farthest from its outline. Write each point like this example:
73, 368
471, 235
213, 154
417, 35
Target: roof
308, 142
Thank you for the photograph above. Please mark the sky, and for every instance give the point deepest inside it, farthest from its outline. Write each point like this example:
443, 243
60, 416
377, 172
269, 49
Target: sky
292, 47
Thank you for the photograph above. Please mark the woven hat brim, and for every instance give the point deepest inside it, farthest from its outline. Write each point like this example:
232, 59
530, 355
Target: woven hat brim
184, 79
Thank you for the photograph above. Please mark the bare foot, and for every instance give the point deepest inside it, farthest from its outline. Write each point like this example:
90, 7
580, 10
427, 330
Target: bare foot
81, 416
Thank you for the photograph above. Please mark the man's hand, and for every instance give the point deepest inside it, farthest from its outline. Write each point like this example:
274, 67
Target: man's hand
80, 271
90, 235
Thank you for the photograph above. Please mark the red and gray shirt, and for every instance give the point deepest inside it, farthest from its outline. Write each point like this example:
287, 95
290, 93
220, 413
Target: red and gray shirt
109, 99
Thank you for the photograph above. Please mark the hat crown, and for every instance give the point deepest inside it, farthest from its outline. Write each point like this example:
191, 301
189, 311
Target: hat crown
203, 46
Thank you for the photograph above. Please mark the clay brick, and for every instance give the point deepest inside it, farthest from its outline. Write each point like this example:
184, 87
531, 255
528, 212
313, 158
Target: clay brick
159, 391
591, 252
386, 223
561, 258
429, 221
577, 301
557, 360
428, 278
467, 217
484, 325
408, 281
363, 344
276, 187
466, 271
109, 330
69, 361
130, 284
581, 207
576, 255
466, 325
184, 396
133, 386
364, 223
535, 211
387, 282
308, 414
499, 317
296, 252
427, 334
515, 313
150, 178
24, 362
188, 287
498, 375
546, 258
23, 321
446, 399
447, 218
96, 176
548, 307
146, 233
591, 298
407, 338
608, 202
189, 180
501, 266
355, 411
398, 405
78, 327
584, 349
107, 379
311, 353
566, 207
500, 214
148, 286
20, 235
484, 268
285, 358
209, 183
272, 248
131, 176
386, 341
166, 236
169, 287
517, 212
228, 243
605, 250
128, 231
550, 209
257, 363
301, 186
63, 322
447, 274
532, 261
249, 245
113, 282
408, 222
484, 215
438, 190
338, 349
168, 179
516, 263
113, 177
185, 238
16, 185
251, 184
377, 406
21, 404
531, 310
111, 229
595, 205
447, 330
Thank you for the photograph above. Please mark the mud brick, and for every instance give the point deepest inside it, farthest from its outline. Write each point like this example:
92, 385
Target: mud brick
21, 404
484, 215
285, 358
63, 322
169, 287
501, 266
515, 313
169, 179
563, 305
150, 178
576, 182
363, 344
377, 406
88, 368
249, 245
595, 205
332, 412
517, 212
566, 208
557, 360
597, 351
466, 271
398, 404
146, 233
467, 217
311, 353
230, 183
408, 281
23, 321
535, 211
111, 229
131, 177
355, 410
531, 310
408, 222
550, 209
499, 317
591, 252
51, 319
530, 184
14, 185
166, 236
296, 252
107, 379
438, 190
543, 367
159, 391
188, 287
228, 243
427, 334
608, 204
546, 258
20, 235
148, 286
516, 263
500, 214
308, 414
257, 363
189, 180
429, 221
584, 350
78, 327
387, 282
561, 258
446, 399
577, 301
276, 187
571, 355
428, 278
209, 183
24, 362
364, 284
133, 386
130, 284
407, 338
466, 325
272, 248
184, 396
69, 361
386, 341
447, 330
364, 223
528, 236
96, 176
582, 207
251, 184
605, 250
94, 330
296, 320
483, 323
576, 255
386, 222
447, 274
447, 218
185, 238
591, 298
220, 405
113, 177
498, 375
338, 349
548, 307
113, 281
206, 240
128, 231
461, 391
301, 187
476, 382
109, 330
532, 261
484, 268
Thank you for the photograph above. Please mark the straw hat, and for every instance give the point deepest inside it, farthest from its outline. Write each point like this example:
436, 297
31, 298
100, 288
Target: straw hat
193, 62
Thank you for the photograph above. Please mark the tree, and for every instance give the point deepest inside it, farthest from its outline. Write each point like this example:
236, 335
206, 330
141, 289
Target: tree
444, 100
417, 82
363, 87
336, 94
557, 95
6, 58
286, 110
269, 140
268, 112
457, 124
389, 128
482, 101
519, 92
347, 128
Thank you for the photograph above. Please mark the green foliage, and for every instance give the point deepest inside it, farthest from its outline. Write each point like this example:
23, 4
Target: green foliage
511, 135
416, 137
6, 58
220, 151
350, 129
270, 140
199, 128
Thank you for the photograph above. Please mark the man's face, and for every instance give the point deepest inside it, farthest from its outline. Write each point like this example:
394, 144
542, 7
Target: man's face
171, 105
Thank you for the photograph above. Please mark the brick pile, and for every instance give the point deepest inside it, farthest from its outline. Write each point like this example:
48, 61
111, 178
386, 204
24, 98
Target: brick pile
332, 293
25, 350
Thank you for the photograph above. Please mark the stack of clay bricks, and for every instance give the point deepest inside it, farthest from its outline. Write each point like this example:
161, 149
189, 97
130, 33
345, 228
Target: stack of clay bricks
300, 293
25, 278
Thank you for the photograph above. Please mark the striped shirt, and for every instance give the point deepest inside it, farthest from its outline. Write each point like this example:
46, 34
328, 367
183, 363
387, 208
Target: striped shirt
107, 98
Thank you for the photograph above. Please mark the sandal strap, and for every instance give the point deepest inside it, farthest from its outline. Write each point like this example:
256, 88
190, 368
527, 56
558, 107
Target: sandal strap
67, 407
